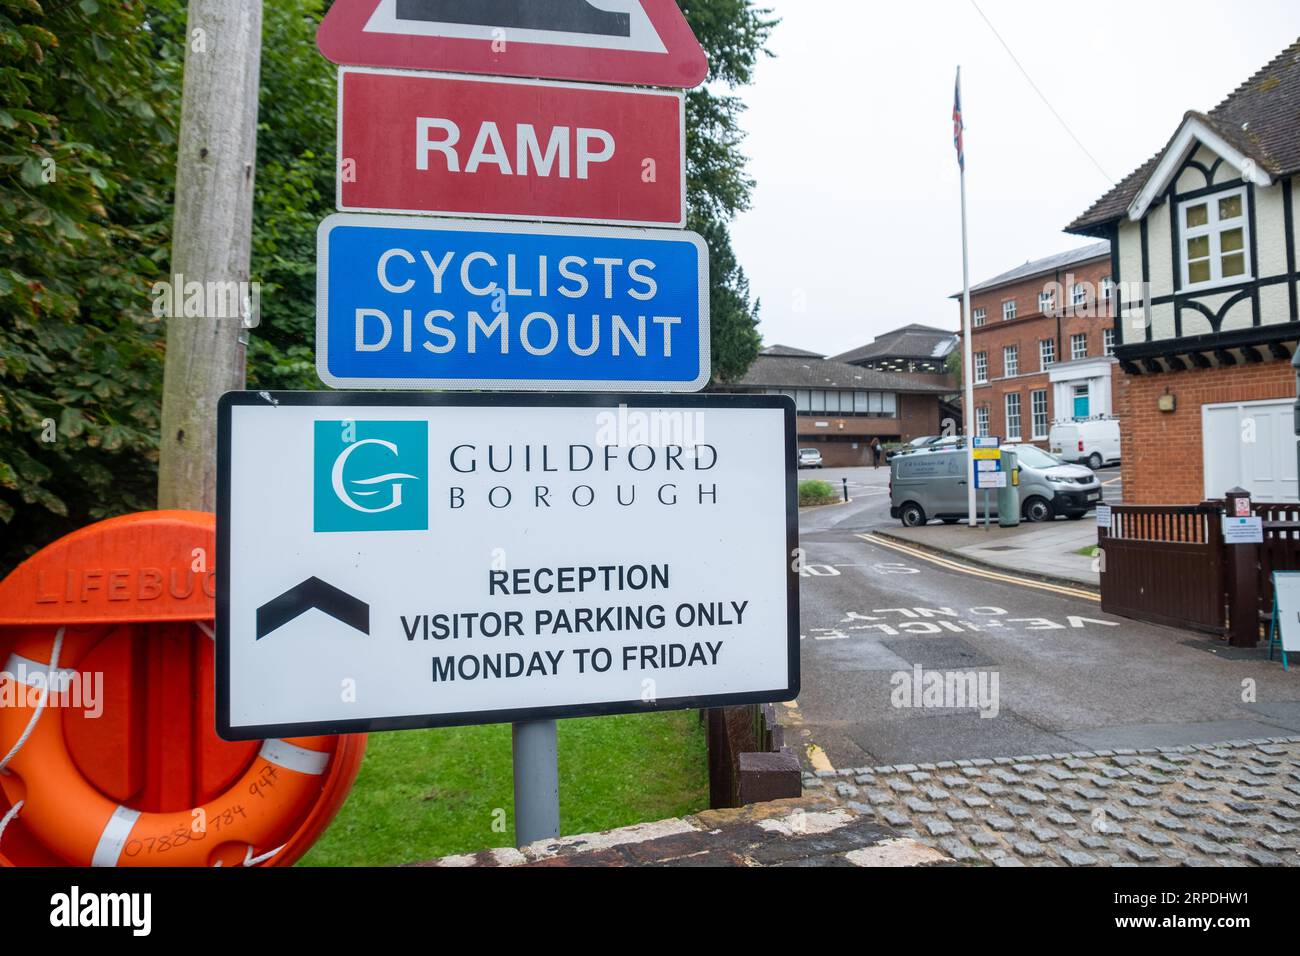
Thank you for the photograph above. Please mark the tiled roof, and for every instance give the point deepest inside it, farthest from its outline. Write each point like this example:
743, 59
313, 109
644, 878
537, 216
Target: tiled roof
1047, 266
786, 351
909, 342
1261, 118
774, 372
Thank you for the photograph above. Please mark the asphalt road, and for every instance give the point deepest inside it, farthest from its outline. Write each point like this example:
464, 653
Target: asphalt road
1067, 676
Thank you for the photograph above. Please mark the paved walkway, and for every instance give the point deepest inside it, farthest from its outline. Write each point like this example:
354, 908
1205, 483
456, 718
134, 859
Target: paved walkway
1231, 804
1050, 549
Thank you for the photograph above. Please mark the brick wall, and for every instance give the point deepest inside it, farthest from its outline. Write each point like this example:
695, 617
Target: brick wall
918, 416
1162, 452
1030, 327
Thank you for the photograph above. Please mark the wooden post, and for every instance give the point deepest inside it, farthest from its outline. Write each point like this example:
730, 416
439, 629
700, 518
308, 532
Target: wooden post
1243, 582
211, 239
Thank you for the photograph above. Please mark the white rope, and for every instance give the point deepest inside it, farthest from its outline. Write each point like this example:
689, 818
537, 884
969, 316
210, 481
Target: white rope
253, 861
206, 630
10, 817
250, 860
40, 708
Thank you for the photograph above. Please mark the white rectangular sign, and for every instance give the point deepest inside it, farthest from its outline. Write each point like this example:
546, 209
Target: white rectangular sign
391, 561
1286, 590
1104, 516
1243, 530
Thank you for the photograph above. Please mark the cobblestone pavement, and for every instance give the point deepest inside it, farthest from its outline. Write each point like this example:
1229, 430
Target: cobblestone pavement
1229, 804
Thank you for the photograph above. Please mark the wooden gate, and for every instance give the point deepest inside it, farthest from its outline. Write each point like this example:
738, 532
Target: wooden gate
1165, 564
1280, 550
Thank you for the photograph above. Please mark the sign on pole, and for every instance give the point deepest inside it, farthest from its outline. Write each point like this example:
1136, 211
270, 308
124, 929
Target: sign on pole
987, 455
510, 149
1243, 530
641, 42
1286, 613
391, 561
411, 302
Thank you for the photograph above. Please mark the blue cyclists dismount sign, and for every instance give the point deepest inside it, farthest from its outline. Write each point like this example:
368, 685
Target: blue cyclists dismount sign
419, 303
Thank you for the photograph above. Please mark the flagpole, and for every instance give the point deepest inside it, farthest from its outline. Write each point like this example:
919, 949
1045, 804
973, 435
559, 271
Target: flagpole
968, 367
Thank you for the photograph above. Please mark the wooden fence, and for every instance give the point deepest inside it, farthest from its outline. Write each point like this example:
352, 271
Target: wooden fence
1168, 564
1280, 550
1165, 564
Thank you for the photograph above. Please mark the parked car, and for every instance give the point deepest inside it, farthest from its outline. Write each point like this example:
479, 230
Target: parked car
810, 458
934, 485
1094, 441
1050, 487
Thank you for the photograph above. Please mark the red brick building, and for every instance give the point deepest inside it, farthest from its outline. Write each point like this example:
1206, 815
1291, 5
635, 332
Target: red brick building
1203, 238
1042, 344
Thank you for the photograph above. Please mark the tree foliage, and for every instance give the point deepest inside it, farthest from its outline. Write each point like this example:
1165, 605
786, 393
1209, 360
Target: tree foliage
90, 94
732, 33
88, 98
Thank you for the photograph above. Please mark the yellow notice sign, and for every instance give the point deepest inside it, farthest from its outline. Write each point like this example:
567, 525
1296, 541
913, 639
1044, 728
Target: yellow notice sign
987, 454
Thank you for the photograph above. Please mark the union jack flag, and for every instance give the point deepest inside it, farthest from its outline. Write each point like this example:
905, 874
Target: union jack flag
957, 125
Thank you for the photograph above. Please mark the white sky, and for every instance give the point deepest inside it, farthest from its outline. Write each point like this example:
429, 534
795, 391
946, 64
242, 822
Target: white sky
855, 225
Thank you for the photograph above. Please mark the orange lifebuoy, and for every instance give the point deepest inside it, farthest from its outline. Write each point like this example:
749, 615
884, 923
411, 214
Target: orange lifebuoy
84, 828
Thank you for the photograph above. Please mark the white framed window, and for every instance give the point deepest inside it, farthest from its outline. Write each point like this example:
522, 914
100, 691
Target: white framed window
1008, 310
982, 421
1108, 341
1078, 295
1047, 302
1215, 239
1047, 352
1038, 412
981, 367
1079, 346
1013, 416
979, 317
1010, 361
1107, 289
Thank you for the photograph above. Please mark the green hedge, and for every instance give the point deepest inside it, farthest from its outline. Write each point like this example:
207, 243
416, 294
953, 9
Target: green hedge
817, 493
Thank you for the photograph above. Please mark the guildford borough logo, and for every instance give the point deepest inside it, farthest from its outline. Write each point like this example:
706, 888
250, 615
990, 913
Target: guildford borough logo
371, 476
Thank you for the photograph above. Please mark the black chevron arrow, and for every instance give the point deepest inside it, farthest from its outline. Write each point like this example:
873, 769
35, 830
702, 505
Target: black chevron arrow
312, 593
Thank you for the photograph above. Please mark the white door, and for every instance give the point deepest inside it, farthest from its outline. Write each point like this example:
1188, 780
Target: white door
1250, 445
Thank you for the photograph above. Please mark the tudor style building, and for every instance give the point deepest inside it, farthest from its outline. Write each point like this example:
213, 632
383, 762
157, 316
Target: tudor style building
1203, 244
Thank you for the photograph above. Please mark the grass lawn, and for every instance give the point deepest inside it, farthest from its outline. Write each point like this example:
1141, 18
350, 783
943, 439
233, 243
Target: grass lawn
1091, 551
428, 793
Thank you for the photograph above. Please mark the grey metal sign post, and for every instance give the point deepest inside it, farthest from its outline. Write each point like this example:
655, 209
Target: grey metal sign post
537, 781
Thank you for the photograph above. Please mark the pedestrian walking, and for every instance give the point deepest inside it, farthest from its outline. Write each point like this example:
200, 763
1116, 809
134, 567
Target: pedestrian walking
876, 451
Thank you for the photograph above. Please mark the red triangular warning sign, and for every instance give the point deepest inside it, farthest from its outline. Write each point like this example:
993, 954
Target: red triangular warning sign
642, 42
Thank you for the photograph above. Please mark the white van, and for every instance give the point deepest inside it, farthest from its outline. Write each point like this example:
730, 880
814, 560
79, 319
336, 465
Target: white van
1091, 441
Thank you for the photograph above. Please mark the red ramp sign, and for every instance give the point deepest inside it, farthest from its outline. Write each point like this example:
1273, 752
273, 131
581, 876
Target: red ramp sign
642, 42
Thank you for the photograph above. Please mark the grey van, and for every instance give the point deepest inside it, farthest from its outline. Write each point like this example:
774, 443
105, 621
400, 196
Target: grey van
932, 484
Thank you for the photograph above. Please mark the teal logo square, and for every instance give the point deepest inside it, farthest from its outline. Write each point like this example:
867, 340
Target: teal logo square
371, 476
